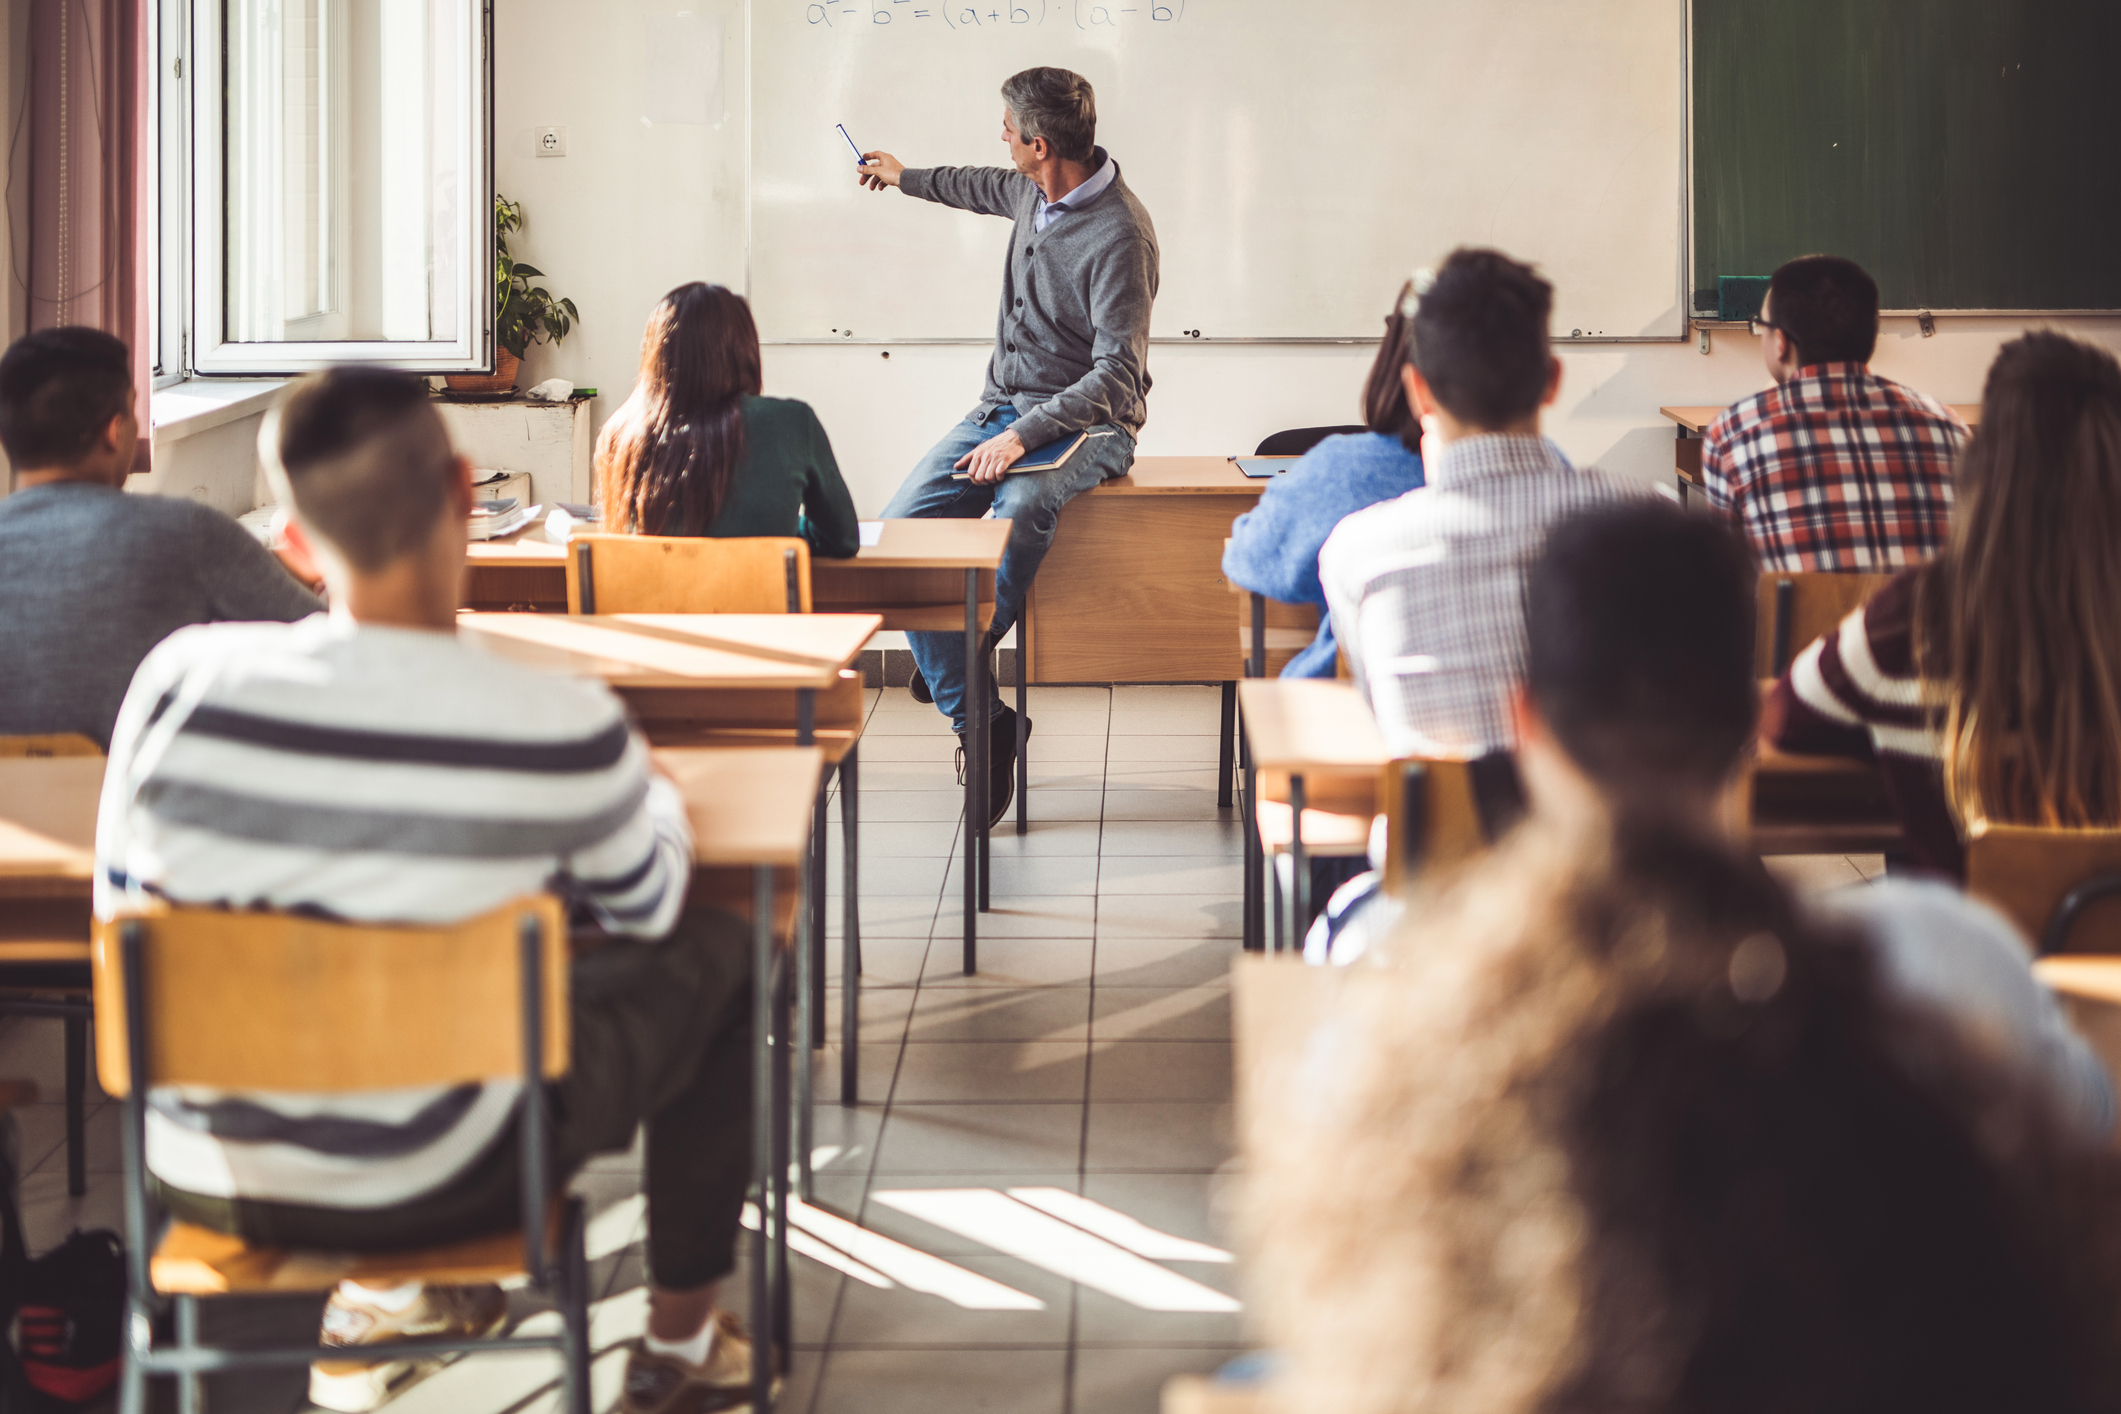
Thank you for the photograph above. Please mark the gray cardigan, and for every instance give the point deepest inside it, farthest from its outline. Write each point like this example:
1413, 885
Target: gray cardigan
1071, 349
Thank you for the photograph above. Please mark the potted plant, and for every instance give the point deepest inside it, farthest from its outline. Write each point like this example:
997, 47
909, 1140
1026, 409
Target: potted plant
524, 314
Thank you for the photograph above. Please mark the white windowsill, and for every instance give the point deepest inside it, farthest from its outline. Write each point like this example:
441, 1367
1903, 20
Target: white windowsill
202, 404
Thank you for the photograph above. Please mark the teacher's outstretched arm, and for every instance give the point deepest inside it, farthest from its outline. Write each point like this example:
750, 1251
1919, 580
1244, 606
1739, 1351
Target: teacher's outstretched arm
879, 170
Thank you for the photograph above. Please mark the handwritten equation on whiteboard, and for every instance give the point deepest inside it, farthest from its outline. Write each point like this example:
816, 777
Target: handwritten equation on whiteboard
992, 14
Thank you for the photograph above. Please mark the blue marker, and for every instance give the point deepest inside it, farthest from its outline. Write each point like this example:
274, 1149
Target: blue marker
851, 143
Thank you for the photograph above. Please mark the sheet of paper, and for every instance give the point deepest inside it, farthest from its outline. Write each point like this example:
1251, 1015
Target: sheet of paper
869, 533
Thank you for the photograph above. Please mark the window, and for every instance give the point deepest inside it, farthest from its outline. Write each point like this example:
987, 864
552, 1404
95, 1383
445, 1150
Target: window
338, 165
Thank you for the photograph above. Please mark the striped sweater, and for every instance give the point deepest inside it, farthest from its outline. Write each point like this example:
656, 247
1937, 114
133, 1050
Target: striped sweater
379, 775
1855, 693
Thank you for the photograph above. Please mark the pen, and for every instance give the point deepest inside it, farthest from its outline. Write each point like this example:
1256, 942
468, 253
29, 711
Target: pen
851, 143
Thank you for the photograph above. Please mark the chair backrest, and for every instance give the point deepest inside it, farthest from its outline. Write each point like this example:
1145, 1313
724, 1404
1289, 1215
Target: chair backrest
273, 1001
1270, 632
2060, 886
49, 744
1297, 440
1439, 812
687, 574
1795, 608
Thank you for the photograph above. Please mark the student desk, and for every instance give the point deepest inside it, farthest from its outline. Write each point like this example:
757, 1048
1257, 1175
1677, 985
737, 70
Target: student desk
1693, 421
939, 575
1314, 740
47, 832
523, 571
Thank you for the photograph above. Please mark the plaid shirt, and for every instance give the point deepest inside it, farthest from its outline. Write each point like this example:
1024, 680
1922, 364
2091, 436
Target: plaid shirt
1837, 469
1427, 591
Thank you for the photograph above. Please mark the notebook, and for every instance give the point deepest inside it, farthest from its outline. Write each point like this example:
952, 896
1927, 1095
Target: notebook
1046, 458
1262, 467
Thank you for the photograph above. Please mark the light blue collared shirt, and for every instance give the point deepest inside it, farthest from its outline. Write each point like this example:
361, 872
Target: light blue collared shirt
1082, 196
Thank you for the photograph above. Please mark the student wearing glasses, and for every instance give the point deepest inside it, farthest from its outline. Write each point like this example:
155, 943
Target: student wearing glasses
1834, 468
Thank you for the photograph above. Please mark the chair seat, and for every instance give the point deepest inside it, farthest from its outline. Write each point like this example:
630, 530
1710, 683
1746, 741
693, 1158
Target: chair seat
197, 1261
1327, 835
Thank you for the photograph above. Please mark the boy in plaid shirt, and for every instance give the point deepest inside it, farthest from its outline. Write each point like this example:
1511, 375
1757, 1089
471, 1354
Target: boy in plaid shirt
1833, 468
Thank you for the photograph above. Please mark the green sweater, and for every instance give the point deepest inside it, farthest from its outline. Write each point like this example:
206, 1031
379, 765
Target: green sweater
789, 484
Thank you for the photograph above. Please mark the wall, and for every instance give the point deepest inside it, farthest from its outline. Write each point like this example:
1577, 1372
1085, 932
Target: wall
636, 208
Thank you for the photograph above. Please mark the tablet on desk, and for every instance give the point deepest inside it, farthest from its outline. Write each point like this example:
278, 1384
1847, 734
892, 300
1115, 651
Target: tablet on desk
1263, 467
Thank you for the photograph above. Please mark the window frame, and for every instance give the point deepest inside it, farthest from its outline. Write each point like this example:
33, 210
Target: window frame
166, 51
203, 348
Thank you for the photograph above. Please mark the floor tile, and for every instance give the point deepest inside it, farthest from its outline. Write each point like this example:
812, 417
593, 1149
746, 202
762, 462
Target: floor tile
884, 807
926, 748
49, 1214
1161, 1070
990, 1072
1000, 1014
1159, 1013
1065, 699
1194, 806
1183, 1205
1165, 748
1020, 876
875, 1068
1022, 915
1870, 866
1008, 962
996, 1139
1079, 747
1170, 874
1045, 838
902, 878
849, 1131
1130, 1380
1170, 915
43, 1129
1154, 775
884, 777
1181, 1137
1052, 722
1053, 804
886, 961
914, 719
1102, 1316
1064, 775
879, 1215
904, 839
900, 1316
34, 1048
884, 1011
925, 1381
1217, 838
1165, 962
884, 916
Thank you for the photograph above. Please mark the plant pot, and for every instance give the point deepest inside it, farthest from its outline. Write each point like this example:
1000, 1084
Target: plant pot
501, 380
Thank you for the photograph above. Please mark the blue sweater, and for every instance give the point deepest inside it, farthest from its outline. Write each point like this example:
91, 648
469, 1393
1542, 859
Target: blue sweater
1274, 548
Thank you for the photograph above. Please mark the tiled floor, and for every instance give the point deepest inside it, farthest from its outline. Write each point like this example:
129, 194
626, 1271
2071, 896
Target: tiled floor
1071, 1100
1020, 1216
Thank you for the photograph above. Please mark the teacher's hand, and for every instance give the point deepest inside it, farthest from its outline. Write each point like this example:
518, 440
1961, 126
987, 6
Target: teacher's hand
991, 459
879, 170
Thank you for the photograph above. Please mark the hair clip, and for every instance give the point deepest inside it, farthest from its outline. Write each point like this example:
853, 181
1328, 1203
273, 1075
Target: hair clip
1418, 284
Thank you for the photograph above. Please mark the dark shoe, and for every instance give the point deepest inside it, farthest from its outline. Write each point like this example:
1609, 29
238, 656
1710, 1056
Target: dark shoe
1001, 780
918, 686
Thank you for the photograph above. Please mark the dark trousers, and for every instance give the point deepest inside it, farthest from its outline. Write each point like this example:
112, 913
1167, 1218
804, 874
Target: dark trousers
662, 1037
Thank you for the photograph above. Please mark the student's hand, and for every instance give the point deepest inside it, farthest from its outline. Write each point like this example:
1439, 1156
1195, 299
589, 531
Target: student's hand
991, 459
292, 550
879, 170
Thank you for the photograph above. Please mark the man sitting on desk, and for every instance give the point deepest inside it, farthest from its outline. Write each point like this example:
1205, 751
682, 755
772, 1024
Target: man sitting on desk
1070, 356
1833, 468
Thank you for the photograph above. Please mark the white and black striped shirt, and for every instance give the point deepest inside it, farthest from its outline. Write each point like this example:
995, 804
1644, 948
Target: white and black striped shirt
1427, 591
380, 775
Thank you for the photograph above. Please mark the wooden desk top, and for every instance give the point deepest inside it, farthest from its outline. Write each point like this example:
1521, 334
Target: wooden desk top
748, 804
1310, 724
927, 544
1180, 476
526, 549
48, 825
1694, 419
778, 651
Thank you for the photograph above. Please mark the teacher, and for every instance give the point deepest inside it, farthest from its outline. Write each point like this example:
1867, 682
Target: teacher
1070, 355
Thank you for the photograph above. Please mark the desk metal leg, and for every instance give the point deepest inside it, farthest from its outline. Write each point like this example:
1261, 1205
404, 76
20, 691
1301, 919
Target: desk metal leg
1248, 818
1224, 758
762, 1131
989, 694
975, 710
1273, 872
810, 995
1023, 734
1299, 866
850, 926
783, 1303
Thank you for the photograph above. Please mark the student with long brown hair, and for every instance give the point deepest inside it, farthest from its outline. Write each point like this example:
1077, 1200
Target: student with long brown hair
696, 450
1988, 682
1274, 547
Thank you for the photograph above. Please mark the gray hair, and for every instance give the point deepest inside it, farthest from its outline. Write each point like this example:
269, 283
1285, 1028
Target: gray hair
1058, 106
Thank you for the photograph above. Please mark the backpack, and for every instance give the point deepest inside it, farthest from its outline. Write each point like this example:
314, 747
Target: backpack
66, 1309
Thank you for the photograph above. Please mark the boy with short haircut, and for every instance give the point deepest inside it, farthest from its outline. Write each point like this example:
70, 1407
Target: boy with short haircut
92, 578
1426, 591
371, 766
1834, 468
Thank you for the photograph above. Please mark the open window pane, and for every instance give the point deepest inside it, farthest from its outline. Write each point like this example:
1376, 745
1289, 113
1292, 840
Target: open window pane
345, 215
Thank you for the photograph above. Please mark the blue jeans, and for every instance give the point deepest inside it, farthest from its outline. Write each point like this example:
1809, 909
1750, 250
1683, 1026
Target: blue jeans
1031, 503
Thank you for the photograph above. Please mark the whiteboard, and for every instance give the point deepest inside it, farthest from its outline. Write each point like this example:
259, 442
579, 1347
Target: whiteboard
1300, 158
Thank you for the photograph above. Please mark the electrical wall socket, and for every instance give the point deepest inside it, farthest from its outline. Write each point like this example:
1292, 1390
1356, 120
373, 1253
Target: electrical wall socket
551, 142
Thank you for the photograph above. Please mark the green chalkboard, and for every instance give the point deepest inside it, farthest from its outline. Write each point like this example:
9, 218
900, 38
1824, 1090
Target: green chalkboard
1966, 152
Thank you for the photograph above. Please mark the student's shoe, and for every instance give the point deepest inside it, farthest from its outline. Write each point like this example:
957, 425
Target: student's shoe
1001, 779
665, 1384
918, 686
454, 1311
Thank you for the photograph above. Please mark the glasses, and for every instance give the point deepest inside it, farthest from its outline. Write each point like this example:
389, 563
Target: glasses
1761, 323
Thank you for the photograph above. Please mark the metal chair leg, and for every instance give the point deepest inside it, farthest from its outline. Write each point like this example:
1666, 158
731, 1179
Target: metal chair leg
1226, 757
191, 1388
76, 1105
574, 1311
850, 931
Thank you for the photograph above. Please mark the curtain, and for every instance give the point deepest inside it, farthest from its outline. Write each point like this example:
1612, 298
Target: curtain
83, 155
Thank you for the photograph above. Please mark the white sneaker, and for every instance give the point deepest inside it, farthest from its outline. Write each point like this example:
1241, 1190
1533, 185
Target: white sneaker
351, 1388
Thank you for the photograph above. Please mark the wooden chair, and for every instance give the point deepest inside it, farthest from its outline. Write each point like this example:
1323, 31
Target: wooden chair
1796, 608
687, 574
44, 966
1269, 634
2059, 886
268, 1001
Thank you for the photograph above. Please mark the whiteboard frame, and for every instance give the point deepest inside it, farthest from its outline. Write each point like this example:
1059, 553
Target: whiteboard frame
1683, 277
